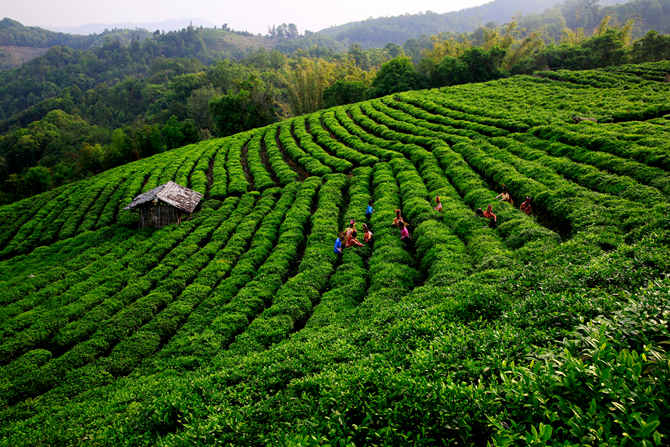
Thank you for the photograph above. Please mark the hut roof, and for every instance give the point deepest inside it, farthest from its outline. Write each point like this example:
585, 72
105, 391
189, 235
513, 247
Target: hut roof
170, 193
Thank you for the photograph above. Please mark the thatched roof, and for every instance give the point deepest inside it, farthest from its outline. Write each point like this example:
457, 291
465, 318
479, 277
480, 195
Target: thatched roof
171, 193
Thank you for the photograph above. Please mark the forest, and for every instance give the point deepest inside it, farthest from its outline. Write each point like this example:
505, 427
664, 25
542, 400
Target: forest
243, 326
86, 107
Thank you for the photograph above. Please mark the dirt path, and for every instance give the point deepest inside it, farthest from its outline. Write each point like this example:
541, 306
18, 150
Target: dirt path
266, 163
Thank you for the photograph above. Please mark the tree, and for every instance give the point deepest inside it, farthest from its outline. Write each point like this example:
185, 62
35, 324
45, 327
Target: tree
253, 105
190, 132
37, 180
223, 74
394, 50
172, 133
277, 59
148, 141
483, 65
606, 49
523, 50
91, 158
259, 59
120, 149
450, 71
344, 92
359, 55
198, 107
305, 84
4, 171
474, 65
654, 14
442, 46
413, 47
397, 75
292, 31
651, 48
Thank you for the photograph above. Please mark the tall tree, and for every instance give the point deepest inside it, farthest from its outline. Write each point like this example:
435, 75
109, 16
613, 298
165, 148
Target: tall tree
397, 75
253, 105
651, 48
358, 54
306, 82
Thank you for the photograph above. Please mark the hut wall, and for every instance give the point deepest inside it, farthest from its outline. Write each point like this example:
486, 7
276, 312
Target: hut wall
158, 215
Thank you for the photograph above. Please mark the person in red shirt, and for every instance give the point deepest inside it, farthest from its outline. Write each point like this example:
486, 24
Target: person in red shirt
489, 214
352, 241
526, 206
397, 219
367, 235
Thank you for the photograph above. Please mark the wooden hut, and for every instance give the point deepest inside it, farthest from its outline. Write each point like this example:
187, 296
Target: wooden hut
164, 204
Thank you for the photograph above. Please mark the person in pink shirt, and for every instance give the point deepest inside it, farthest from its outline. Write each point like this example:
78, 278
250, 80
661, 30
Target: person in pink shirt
439, 204
404, 234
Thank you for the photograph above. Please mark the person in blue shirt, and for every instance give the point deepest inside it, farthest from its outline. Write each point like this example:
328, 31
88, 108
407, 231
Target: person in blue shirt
338, 244
369, 210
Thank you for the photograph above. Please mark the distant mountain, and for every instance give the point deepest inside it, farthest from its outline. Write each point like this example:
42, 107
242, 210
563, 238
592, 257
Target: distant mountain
376, 32
398, 29
13, 33
165, 25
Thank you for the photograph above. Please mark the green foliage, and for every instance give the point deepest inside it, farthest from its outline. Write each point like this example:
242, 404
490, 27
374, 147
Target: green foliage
651, 48
251, 106
241, 325
397, 75
596, 52
344, 92
474, 65
308, 42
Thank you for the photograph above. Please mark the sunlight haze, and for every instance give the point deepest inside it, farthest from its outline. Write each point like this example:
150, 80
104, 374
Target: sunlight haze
251, 15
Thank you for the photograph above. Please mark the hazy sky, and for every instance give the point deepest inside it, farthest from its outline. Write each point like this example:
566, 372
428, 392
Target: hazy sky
250, 15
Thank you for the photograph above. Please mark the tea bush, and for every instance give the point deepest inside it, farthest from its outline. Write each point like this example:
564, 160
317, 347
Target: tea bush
242, 326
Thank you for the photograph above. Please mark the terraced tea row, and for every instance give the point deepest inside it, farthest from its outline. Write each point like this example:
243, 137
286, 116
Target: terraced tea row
243, 326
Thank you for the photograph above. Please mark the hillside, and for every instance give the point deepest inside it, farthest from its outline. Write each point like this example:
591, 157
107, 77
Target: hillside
165, 25
549, 16
241, 326
20, 44
240, 45
430, 22
15, 56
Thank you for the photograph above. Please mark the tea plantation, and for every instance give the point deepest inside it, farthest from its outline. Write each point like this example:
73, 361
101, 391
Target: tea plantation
241, 326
